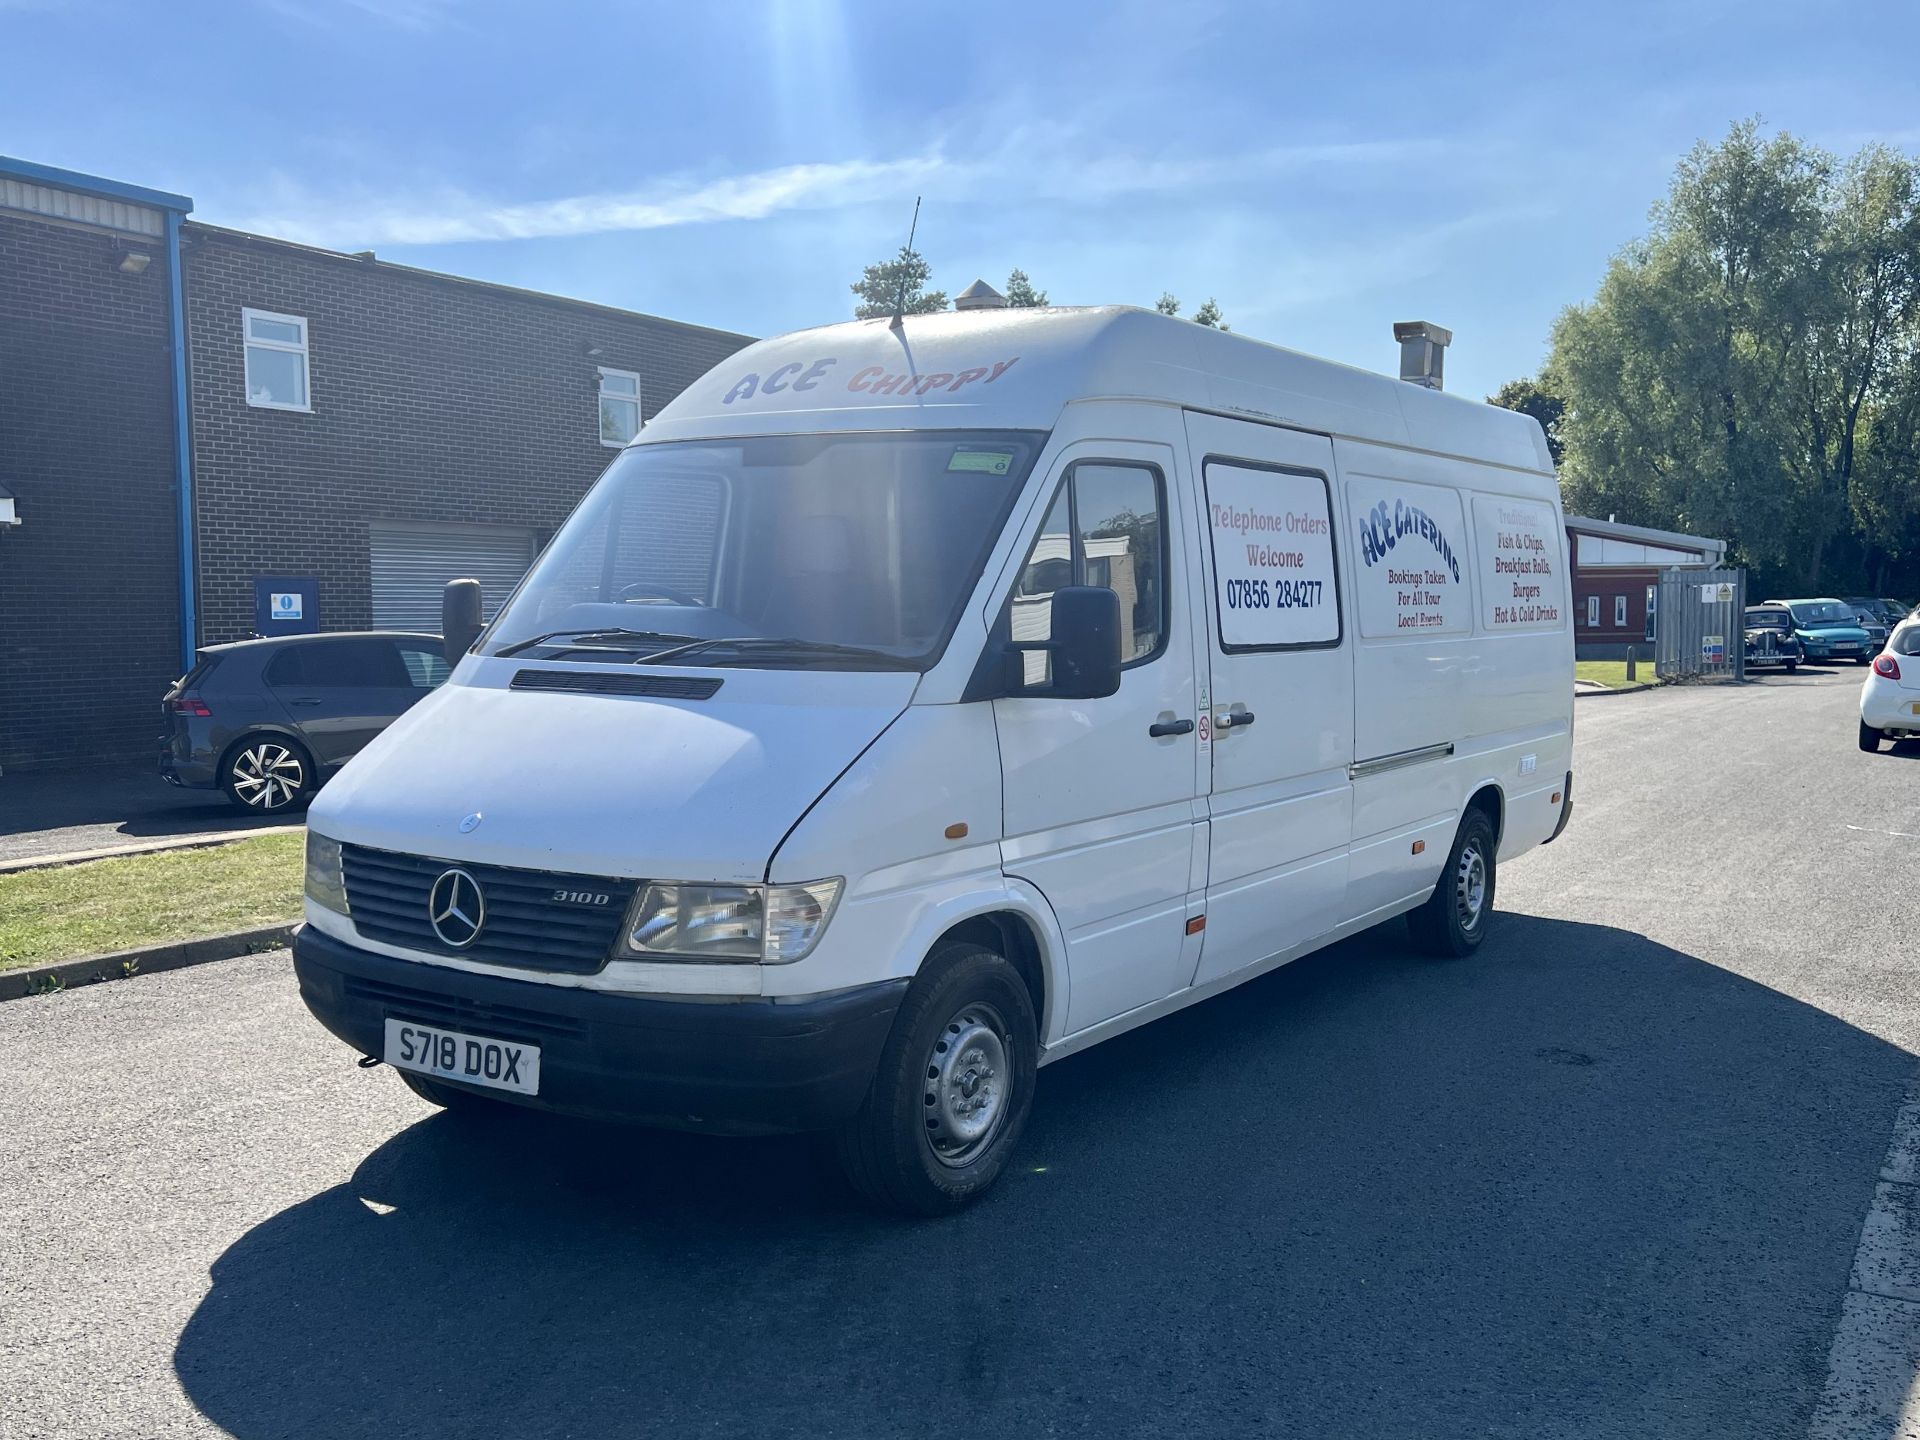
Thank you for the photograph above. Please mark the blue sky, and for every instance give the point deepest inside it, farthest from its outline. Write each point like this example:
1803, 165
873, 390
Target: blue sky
1322, 170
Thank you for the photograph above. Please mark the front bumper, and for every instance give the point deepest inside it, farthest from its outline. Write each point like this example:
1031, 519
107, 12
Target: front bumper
744, 1066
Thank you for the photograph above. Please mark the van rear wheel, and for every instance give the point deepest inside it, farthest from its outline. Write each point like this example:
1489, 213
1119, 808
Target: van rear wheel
1453, 922
953, 1088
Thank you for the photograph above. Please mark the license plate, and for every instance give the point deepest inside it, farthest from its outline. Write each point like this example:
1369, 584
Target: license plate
473, 1059
1914, 706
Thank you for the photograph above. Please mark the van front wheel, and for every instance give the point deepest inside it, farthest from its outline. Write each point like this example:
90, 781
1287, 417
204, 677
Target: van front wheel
953, 1088
1454, 920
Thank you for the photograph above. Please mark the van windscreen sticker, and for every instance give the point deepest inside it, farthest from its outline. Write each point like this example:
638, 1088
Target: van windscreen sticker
1272, 537
977, 460
870, 382
1522, 563
1411, 540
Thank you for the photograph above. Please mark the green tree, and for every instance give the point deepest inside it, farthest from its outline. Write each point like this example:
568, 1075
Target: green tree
880, 287
1209, 316
1020, 292
1538, 399
1741, 361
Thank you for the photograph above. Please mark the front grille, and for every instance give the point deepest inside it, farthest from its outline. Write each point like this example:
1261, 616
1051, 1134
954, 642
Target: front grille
525, 926
452, 1012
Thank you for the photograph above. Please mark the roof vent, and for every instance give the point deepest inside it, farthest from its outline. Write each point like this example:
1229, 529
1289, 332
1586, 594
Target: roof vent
1423, 351
979, 296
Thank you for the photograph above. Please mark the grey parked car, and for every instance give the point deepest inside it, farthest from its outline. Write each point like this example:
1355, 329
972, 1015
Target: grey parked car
268, 720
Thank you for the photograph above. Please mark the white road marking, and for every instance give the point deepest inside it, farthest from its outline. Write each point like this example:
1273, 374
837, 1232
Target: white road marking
1897, 834
1873, 1369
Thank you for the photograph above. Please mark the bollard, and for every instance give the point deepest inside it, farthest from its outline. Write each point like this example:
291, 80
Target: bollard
1632, 674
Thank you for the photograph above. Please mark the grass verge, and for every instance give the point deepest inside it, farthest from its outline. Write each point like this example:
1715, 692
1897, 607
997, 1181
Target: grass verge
1613, 672
99, 906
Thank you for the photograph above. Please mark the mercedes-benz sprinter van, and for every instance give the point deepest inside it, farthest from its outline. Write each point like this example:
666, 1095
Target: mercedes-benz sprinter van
914, 704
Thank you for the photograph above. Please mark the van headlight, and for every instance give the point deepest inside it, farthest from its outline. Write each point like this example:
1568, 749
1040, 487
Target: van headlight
773, 924
326, 881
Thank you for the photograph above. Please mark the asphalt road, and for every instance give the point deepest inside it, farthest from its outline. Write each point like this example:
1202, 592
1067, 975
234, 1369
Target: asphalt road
57, 812
1604, 1179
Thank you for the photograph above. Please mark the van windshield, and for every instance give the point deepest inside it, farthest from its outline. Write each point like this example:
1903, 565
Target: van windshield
784, 551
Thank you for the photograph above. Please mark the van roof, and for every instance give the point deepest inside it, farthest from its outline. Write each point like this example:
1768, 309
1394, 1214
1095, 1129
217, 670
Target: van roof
1018, 369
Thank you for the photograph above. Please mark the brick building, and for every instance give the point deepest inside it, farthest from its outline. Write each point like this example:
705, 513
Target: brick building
357, 433
1615, 569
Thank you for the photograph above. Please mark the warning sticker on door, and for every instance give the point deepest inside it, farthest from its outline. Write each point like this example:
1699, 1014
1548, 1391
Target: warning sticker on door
1272, 534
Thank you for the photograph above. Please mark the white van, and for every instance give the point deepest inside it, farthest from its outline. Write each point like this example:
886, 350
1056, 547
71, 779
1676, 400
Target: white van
915, 704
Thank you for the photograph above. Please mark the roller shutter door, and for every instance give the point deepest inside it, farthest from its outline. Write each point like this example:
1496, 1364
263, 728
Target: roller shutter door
412, 564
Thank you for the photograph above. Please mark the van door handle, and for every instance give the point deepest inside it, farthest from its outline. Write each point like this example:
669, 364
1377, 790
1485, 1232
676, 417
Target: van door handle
306, 700
1161, 728
1233, 720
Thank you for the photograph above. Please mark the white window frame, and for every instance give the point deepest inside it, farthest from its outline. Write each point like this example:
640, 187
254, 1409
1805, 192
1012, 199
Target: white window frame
248, 341
1619, 612
604, 394
1593, 612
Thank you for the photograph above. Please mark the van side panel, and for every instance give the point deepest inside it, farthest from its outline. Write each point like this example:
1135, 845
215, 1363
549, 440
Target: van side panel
1463, 666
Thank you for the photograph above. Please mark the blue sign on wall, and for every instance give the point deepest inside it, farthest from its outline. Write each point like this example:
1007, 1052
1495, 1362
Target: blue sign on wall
286, 605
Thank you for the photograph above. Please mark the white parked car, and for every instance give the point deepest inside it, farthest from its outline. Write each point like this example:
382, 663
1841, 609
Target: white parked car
1890, 698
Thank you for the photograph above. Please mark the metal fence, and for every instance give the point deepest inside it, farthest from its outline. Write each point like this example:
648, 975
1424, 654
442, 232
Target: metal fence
1699, 630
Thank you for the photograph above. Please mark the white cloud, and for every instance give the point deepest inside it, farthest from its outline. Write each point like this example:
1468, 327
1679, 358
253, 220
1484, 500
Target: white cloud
416, 15
1029, 164
454, 216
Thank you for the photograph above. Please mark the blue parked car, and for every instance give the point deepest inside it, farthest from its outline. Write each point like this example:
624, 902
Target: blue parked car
1827, 630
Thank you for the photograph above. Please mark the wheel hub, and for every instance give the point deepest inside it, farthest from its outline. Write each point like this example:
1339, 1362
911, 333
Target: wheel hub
968, 1085
267, 776
1470, 887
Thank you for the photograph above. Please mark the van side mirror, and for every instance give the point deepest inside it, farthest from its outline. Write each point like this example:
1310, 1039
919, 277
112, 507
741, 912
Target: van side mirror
460, 622
1084, 649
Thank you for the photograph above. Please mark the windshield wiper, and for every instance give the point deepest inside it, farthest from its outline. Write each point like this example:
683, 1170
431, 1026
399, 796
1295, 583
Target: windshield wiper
764, 643
614, 632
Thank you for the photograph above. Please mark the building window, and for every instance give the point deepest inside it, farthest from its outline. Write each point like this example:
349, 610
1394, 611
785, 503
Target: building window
619, 406
1619, 612
276, 360
1593, 612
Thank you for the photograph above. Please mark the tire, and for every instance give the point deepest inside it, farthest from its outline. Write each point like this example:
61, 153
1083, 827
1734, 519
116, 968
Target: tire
267, 774
1869, 738
1453, 921
450, 1098
934, 1132
1792, 665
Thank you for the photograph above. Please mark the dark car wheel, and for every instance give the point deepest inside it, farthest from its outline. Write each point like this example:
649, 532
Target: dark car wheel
1453, 922
1869, 738
952, 1091
266, 775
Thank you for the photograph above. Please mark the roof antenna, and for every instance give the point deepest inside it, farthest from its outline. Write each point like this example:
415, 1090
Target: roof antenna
900, 299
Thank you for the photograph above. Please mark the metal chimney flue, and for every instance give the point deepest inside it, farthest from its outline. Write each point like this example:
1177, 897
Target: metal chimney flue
979, 296
1423, 352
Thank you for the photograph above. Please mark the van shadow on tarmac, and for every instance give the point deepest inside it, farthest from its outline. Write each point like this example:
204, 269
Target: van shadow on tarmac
1581, 1184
